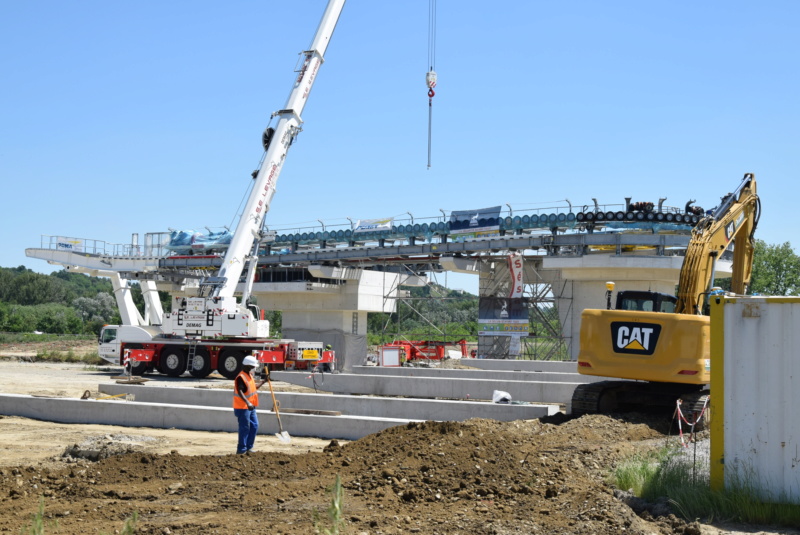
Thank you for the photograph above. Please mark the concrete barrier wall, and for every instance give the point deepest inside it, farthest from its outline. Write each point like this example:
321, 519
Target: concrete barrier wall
166, 416
426, 387
569, 366
495, 375
377, 407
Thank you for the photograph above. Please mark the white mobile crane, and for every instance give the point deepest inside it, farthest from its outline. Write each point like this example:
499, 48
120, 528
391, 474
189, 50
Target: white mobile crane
214, 330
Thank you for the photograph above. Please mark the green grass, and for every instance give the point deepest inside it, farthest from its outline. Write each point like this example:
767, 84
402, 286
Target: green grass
335, 511
637, 473
37, 522
90, 359
21, 338
685, 482
37, 526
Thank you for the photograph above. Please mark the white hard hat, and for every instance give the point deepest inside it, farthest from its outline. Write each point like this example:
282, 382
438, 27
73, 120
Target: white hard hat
250, 361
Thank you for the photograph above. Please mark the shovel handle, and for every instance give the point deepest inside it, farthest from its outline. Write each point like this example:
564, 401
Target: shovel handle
275, 404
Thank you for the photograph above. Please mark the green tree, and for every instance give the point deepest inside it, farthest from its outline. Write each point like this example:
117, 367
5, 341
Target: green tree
24, 287
54, 318
101, 308
776, 270
19, 319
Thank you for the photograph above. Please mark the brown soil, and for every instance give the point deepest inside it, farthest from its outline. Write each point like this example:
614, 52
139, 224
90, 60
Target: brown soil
476, 477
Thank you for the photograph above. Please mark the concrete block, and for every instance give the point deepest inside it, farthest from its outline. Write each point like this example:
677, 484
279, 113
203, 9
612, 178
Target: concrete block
556, 366
377, 407
496, 375
166, 416
427, 387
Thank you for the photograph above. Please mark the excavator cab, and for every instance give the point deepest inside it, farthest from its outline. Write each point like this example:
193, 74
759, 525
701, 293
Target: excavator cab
646, 301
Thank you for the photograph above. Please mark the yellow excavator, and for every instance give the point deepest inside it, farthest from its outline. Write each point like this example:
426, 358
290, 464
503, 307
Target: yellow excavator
659, 344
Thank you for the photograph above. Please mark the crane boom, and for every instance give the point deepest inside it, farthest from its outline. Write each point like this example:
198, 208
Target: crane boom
216, 312
277, 143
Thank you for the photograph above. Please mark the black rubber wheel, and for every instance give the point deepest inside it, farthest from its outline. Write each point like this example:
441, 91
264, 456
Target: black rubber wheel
173, 361
137, 368
200, 366
230, 363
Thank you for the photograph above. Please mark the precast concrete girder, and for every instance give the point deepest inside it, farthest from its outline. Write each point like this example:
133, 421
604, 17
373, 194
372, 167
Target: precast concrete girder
461, 264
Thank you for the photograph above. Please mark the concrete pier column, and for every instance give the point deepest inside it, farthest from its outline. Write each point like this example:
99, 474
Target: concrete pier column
333, 309
344, 330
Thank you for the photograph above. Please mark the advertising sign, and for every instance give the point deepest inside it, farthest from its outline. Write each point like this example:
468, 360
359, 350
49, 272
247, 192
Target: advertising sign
476, 222
373, 225
515, 266
499, 316
69, 244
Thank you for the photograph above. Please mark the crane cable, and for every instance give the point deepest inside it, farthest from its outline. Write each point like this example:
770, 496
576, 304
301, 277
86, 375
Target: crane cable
430, 76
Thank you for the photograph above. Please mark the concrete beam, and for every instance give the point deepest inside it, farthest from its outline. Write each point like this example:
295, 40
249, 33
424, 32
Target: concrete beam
427, 387
556, 366
497, 375
165, 416
376, 407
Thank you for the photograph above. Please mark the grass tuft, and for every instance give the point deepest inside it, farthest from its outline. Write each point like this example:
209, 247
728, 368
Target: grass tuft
335, 511
684, 478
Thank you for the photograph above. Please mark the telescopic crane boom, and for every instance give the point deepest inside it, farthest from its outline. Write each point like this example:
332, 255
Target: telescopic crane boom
276, 145
216, 312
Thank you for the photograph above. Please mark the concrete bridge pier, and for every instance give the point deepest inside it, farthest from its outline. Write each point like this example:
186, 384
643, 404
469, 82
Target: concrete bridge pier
333, 307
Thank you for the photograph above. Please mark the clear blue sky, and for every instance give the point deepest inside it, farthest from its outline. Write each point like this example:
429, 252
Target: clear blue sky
135, 117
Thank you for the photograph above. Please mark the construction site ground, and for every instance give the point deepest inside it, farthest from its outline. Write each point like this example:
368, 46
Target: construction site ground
475, 477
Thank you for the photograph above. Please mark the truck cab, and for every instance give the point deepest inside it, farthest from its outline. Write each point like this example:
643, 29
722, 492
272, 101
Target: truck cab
109, 346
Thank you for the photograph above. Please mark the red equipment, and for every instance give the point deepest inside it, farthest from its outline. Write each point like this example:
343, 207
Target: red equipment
427, 349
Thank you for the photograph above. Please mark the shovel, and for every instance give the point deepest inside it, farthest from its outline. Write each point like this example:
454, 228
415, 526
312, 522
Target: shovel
282, 435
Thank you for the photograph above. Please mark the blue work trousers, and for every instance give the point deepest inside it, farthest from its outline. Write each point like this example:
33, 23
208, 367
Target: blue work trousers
248, 427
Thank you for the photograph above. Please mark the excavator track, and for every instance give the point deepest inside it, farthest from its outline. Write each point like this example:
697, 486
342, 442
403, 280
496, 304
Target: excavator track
605, 397
587, 397
694, 404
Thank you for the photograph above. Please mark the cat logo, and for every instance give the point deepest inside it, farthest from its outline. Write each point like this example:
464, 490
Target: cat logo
634, 338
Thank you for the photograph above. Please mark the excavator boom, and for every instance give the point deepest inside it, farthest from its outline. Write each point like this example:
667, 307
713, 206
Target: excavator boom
734, 220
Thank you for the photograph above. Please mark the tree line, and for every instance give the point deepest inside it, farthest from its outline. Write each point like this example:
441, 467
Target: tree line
59, 303
72, 303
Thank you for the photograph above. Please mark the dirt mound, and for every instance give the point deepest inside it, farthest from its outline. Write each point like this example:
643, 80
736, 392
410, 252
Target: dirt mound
476, 477
103, 447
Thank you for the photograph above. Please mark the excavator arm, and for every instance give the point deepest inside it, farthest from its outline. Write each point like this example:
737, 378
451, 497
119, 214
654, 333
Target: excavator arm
735, 220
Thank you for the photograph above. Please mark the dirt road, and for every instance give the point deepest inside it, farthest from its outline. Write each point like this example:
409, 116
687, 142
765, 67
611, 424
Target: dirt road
46, 441
476, 477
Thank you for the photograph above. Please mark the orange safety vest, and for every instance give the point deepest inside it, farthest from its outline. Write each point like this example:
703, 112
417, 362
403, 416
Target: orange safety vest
251, 394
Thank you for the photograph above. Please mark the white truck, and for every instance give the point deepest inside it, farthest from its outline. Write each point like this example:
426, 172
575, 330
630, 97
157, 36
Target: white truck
214, 330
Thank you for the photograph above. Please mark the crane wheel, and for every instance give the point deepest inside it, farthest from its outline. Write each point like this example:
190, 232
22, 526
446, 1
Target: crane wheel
173, 361
229, 363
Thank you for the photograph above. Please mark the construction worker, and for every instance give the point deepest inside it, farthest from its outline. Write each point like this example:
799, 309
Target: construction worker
245, 401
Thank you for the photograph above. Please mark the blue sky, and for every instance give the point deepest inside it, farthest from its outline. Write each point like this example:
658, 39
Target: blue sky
135, 117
